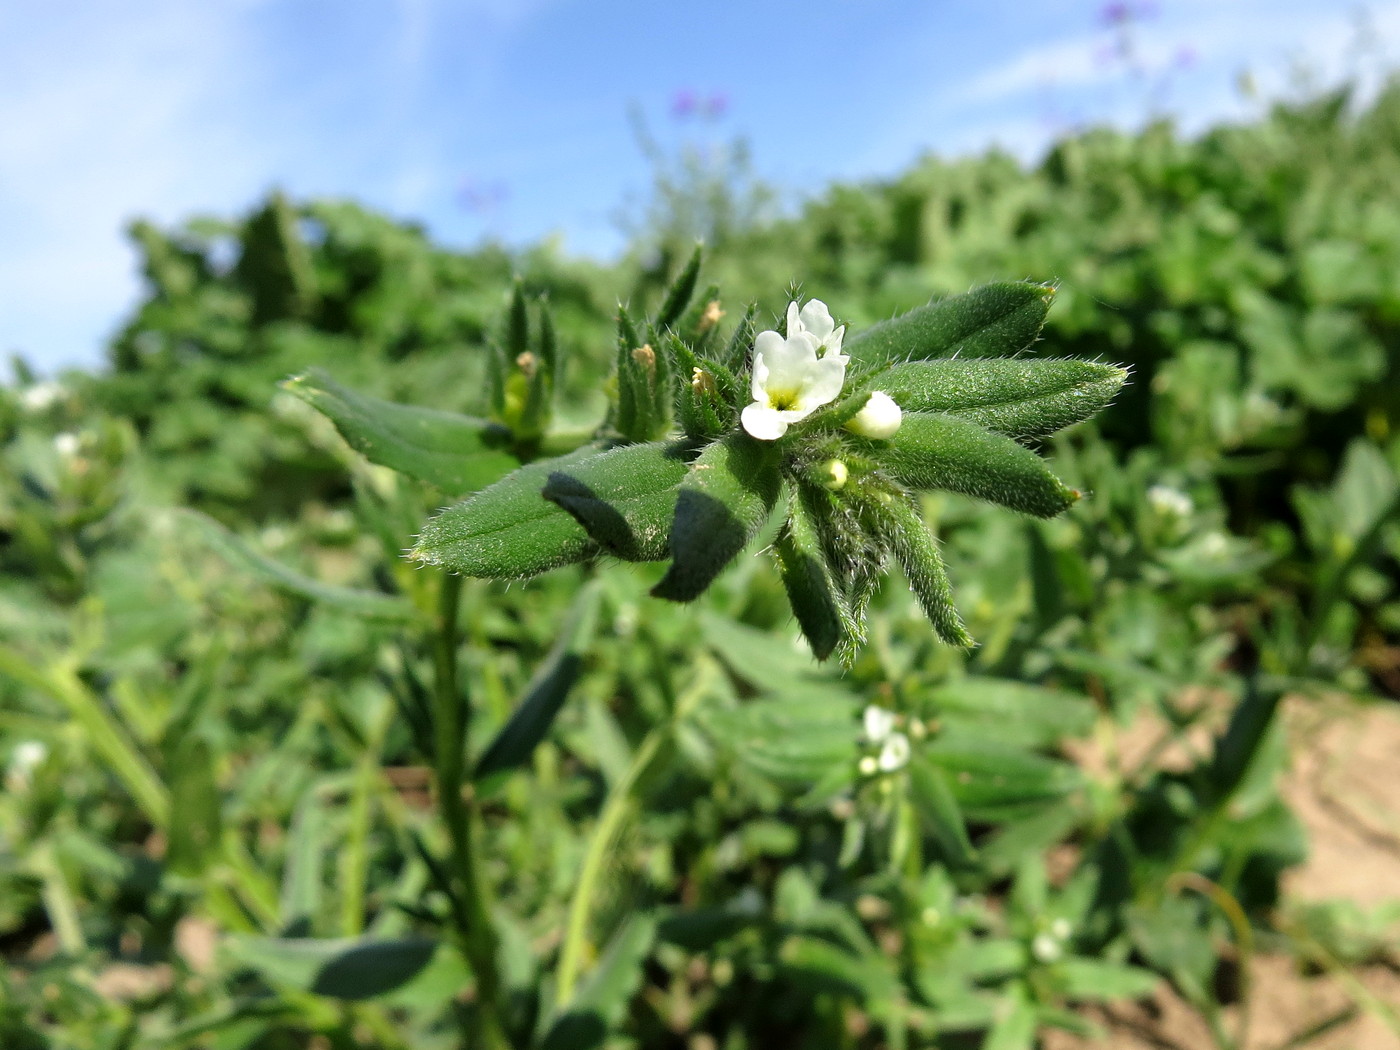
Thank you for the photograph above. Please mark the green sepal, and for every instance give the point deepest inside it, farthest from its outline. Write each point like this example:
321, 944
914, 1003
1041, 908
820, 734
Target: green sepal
724, 500
643, 385
736, 351
625, 499
812, 591
456, 453
935, 451
678, 296
992, 321
508, 531
1020, 398
917, 553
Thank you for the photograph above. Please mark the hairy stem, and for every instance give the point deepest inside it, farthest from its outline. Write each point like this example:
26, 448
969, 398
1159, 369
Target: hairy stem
471, 914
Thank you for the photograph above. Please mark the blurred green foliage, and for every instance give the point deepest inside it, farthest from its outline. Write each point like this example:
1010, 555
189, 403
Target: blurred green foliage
215, 831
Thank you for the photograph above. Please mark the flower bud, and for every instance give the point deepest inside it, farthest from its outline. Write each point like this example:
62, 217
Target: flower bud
833, 475
879, 419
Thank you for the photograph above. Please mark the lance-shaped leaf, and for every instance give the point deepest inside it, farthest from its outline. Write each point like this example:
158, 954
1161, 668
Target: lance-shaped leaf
991, 321
1017, 397
458, 454
938, 811
918, 556
724, 501
545, 695
508, 531
342, 969
935, 451
625, 499
371, 605
600, 1002
816, 600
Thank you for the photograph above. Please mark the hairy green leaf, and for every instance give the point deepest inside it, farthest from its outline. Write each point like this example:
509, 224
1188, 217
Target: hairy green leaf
1021, 398
934, 451
815, 598
508, 531
724, 501
991, 321
456, 453
625, 498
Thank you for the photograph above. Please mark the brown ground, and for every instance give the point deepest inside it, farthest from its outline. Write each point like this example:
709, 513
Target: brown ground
1345, 787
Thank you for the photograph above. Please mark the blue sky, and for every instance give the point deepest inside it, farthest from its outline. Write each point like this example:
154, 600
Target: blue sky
509, 118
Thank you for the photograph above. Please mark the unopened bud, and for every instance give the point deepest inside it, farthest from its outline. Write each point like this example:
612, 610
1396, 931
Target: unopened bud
879, 419
834, 475
526, 363
868, 766
711, 315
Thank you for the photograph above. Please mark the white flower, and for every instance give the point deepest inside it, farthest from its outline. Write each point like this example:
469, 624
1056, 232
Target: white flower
41, 396
1046, 948
1169, 502
27, 756
894, 753
66, 444
794, 377
878, 722
879, 419
868, 766
1061, 929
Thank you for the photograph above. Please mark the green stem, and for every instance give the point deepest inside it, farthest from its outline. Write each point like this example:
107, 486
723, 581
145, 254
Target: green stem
610, 820
470, 913
609, 823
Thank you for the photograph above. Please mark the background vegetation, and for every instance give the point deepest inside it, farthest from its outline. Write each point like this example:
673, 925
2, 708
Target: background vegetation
215, 825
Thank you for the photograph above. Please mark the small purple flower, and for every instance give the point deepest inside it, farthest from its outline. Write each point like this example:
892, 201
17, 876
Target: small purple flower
684, 103
716, 105
1115, 14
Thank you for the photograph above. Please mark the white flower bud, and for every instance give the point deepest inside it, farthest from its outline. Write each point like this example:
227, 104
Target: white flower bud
868, 766
1046, 948
879, 419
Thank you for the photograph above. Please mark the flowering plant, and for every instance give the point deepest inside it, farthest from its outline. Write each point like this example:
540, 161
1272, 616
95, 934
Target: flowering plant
837, 436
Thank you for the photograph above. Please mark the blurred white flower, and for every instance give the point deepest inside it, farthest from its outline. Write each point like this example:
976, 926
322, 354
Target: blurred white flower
894, 753
1061, 929
1169, 502
1046, 948
27, 756
796, 375
878, 723
868, 766
66, 444
42, 396
879, 419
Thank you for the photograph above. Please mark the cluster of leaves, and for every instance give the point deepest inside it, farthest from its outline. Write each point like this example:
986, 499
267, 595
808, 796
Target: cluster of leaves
223, 838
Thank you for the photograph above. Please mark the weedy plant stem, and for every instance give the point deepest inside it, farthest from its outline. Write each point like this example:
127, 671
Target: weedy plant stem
452, 717
615, 811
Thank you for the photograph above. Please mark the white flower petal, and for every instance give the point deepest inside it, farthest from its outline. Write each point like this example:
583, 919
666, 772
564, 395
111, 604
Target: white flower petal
764, 423
816, 319
794, 321
825, 379
833, 345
